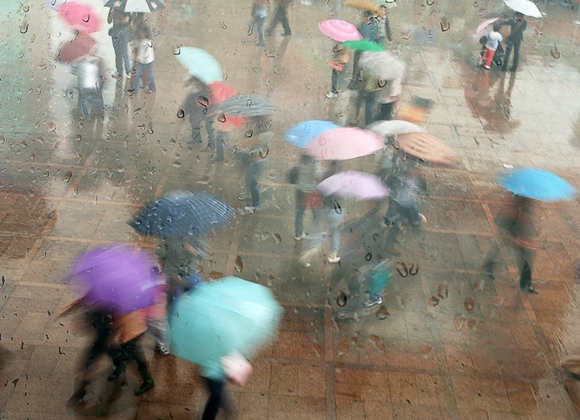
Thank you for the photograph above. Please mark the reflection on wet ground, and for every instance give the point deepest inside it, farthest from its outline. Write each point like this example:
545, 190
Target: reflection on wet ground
448, 342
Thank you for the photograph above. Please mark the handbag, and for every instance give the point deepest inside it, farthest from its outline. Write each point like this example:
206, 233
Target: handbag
237, 368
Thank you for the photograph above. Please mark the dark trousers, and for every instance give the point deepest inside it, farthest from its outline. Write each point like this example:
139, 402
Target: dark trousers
515, 46
394, 217
215, 395
385, 112
281, 16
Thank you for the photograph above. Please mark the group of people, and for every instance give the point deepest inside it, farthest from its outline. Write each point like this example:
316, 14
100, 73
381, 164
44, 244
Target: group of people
491, 43
259, 14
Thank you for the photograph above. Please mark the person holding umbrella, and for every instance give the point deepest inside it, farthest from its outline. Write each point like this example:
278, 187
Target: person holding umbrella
280, 16
120, 34
518, 26
195, 108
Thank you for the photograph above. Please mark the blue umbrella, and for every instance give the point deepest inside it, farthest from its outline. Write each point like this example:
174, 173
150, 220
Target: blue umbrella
537, 184
200, 64
301, 134
222, 316
182, 213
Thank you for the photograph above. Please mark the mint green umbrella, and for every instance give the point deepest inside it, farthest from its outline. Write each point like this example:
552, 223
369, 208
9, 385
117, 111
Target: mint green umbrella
363, 45
222, 316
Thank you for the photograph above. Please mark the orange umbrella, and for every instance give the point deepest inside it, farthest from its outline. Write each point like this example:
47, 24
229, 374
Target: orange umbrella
427, 147
363, 5
220, 92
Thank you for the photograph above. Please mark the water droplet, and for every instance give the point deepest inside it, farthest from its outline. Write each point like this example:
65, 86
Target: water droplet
68, 176
46, 174
180, 113
433, 301
24, 28
239, 265
176, 164
26, 8
203, 101
555, 52
222, 118
177, 51
223, 24
78, 137
277, 238
249, 134
23, 143
341, 299
469, 304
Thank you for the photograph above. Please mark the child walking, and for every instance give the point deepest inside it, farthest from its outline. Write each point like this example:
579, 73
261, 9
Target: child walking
493, 40
145, 57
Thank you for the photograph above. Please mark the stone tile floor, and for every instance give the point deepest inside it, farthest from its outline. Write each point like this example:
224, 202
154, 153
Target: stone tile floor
447, 344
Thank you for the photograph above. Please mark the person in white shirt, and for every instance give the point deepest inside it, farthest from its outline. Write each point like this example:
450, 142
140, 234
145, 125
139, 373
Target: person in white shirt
493, 40
89, 73
144, 53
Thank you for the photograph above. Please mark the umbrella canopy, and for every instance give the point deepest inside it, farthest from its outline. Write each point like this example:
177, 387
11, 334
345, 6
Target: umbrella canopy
538, 184
222, 316
54, 4
77, 48
358, 185
483, 28
384, 65
80, 16
200, 64
118, 278
247, 105
427, 147
363, 5
182, 213
344, 143
394, 128
136, 6
220, 92
525, 7
301, 134
363, 45
339, 30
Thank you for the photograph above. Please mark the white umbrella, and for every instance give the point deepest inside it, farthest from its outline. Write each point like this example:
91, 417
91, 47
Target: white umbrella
525, 7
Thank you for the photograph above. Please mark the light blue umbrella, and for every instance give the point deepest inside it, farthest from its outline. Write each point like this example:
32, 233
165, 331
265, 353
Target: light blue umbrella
222, 316
200, 64
301, 134
538, 184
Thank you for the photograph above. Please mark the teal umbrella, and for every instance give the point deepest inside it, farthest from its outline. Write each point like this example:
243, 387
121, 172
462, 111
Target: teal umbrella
200, 64
363, 45
222, 316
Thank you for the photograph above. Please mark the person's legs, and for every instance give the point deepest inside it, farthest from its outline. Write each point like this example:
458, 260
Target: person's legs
516, 56
215, 395
123, 41
392, 220
261, 22
118, 54
84, 102
251, 177
150, 78
334, 79
487, 57
508, 51
335, 218
135, 352
299, 218
138, 73
274, 22
490, 260
385, 112
285, 23
97, 102
370, 103
210, 133
526, 257
220, 144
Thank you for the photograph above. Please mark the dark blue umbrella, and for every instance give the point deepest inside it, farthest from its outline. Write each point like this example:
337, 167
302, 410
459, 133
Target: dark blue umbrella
537, 184
301, 134
182, 213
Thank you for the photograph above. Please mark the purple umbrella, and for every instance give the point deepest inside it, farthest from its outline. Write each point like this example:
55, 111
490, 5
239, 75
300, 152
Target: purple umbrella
358, 185
118, 277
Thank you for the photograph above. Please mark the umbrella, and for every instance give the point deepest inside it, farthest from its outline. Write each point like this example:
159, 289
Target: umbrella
200, 64
118, 277
363, 45
220, 317
182, 213
80, 16
525, 7
362, 5
384, 65
358, 185
77, 48
344, 143
301, 134
339, 30
136, 6
394, 128
538, 184
427, 147
220, 92
247, 105
483, 28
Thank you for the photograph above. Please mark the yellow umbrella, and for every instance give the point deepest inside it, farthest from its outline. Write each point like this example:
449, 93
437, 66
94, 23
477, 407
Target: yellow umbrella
363, 5
427, 147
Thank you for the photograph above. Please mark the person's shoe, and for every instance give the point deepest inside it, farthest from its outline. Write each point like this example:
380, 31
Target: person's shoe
368, 302
393, 251
332, 95
162, 349
76, 398
249, 209
287, 33
530, 290
513, 69
260, 44
128, 75
486, 67
333, 258
298, 238
488, 269
151, 91
147, 385
304, 260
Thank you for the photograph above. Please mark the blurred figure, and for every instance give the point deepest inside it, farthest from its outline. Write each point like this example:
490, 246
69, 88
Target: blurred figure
90, 73
144, 59
368, 30
308, 175
491, 45
259, 14
339, 59
522, 237
281, 16
120, 35
388, 99
383, 27
518, 26
195, 108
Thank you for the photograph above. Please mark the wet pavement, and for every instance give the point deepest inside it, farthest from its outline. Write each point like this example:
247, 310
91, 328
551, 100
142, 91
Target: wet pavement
447, 343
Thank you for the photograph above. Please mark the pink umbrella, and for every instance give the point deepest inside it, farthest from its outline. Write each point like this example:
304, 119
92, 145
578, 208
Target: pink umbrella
483, 29
344, 143
76, 49
358, 185
339, 30
81, 17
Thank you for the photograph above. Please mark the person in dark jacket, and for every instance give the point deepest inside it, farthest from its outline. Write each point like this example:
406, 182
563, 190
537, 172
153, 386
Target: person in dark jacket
280, 16
518, 27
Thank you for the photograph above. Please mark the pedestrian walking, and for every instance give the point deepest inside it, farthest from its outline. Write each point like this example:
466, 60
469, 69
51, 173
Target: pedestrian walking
120, 34
259, 14
491, 45
195, 107
521, 236
388, 99
518, 26
308, 175
383, 26
145, 56
340, 57
280, 16
368, 30
90, 86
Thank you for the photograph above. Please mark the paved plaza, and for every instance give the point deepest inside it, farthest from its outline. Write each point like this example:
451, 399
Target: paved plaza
447, 343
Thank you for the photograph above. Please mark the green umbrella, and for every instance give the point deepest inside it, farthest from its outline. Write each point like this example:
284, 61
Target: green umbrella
222, 316
363, 45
